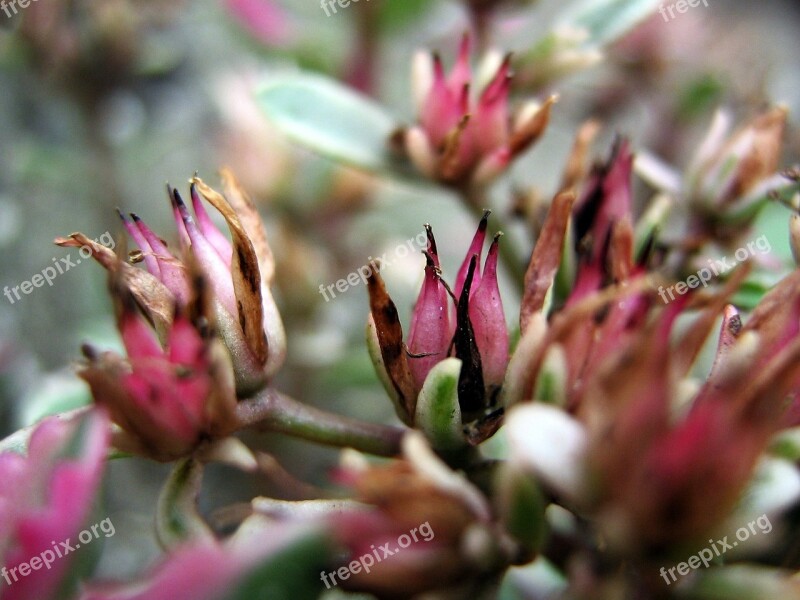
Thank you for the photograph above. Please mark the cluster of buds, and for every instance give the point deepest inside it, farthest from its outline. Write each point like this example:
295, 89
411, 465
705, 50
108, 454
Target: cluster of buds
460, 140
466, 322
221, 337
651, 479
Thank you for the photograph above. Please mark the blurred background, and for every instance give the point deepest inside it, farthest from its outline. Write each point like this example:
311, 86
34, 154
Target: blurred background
105, 101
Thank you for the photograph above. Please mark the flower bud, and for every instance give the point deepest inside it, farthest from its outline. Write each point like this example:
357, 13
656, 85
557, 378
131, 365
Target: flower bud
460, 139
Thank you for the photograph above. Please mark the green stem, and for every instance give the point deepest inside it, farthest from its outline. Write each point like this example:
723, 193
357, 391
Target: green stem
177, 517
272, 411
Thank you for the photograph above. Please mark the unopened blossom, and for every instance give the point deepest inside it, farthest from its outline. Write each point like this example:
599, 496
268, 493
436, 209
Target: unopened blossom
453, 539
466, 322
166, 400
600, 214
728, 168
656, 459
46, 497
462, 139
239, 271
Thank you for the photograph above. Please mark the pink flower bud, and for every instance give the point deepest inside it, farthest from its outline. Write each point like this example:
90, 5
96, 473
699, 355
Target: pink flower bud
430, 332
463, 139
489, 323
46, 497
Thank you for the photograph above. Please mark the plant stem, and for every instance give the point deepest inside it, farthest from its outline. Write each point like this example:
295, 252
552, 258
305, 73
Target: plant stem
272, 411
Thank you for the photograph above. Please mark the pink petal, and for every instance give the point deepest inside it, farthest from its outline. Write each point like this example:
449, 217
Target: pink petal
476, 249
429, 332
489, 322
219, 274
215, 237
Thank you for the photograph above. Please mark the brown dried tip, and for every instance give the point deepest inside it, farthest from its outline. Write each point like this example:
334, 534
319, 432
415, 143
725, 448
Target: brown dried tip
390, 339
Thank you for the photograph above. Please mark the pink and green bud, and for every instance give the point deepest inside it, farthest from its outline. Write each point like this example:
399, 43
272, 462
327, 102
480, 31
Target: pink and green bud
166, 400
489, 323
239, 270
468, 325
46, 497
461, 138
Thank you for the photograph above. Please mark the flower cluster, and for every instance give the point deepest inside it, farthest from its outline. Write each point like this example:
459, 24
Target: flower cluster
604, 436
221, 337
460, 140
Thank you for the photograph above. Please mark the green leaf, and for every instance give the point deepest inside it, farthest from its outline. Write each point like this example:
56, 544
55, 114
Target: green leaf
700, 96
56, 393
521, 507
606, 20
330, 119
438, 413
291, 574
750, 294
786, 444
398, 13
743, 582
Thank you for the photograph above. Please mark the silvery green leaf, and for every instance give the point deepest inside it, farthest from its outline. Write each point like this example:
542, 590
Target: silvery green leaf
329, 119
605, 20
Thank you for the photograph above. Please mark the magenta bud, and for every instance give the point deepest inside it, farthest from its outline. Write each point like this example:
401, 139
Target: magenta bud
489, 322
430, 331
475, 249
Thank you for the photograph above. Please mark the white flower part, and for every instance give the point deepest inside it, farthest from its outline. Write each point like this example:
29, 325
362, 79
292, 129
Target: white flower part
478, 545
486, 70
657, 173
550, 443
230, 451
353, 461
712, 144
774, 488
421, 78
570, 35
426, 464
526, 113
419, 150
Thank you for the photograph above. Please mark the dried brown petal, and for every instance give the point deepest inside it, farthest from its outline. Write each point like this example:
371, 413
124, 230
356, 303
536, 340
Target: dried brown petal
546, 257
390, 339
246, 274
